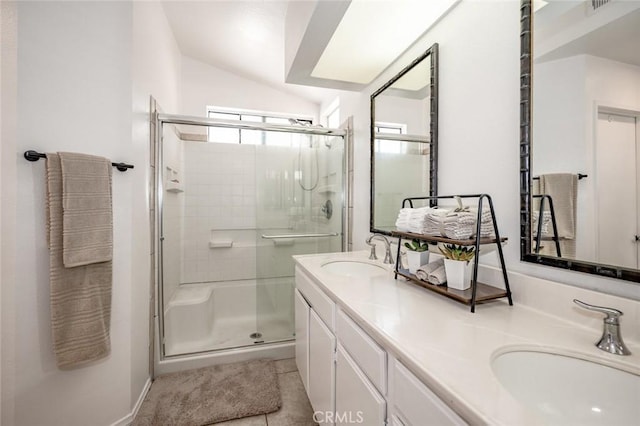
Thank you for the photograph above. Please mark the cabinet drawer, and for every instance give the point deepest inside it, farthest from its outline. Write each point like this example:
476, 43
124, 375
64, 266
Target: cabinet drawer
320, 302
413, 402
370, 357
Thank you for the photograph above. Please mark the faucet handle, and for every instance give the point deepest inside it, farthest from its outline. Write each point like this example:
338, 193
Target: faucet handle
372, 255
611, 340
611, 313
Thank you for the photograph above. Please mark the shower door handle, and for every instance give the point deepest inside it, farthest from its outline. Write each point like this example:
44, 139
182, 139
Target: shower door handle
276, 237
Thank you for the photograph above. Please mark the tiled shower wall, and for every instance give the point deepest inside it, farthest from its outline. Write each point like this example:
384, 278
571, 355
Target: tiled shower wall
172, 211
220, 206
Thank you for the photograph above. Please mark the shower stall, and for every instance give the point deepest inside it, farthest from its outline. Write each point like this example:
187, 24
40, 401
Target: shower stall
235, 201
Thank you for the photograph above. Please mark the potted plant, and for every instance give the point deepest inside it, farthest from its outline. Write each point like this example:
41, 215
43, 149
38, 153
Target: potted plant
417, 254
457, 265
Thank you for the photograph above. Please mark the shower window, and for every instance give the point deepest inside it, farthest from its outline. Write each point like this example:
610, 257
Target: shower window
252, 137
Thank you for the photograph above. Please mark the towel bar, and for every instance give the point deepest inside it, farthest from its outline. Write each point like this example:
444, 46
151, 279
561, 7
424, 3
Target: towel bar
275, 237
580, 176
31, 155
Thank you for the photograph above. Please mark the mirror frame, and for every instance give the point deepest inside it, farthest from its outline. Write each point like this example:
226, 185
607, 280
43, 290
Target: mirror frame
432, 54
526, 254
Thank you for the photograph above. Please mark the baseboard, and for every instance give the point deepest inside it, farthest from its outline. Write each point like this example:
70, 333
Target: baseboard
126, 420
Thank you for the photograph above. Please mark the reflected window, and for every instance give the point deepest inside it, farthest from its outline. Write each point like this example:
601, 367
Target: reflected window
248, 136
390, 146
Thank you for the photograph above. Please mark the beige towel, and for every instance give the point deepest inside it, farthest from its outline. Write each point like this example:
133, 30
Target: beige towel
80, 296
423, 271
87, 235
563, 189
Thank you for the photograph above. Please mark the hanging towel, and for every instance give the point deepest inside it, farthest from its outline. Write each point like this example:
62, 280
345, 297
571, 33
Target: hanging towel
87, 235
563, 189
80, 296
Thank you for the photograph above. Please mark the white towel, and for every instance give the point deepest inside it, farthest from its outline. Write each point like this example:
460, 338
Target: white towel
463, 225
411, 220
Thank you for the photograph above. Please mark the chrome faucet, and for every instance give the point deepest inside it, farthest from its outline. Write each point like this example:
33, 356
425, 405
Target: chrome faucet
611, 340
388, 257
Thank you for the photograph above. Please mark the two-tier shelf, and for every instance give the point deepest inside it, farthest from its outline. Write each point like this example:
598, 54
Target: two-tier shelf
478, 292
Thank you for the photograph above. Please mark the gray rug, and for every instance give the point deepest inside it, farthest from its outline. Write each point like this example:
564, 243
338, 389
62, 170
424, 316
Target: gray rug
212, 394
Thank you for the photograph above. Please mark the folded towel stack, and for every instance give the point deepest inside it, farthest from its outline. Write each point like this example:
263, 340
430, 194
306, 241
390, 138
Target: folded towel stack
433, 272
462, 225
412, 220
448, 223
457, 225
434, 222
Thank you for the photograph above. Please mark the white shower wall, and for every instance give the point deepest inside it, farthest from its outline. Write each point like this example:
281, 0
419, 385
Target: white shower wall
220, 204
172, 212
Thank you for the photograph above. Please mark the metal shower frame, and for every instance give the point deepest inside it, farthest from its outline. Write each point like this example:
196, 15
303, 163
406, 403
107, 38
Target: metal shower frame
160, 119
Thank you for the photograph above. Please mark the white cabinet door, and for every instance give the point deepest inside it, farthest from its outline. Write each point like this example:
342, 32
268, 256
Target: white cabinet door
414, 404
302, 338
322, 346
357, 400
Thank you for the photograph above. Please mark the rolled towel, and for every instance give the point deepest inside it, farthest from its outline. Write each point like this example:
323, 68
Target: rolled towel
438, 276
424, 271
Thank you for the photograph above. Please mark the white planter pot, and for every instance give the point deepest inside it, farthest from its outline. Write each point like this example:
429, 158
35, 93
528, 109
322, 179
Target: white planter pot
458, 274
416, 259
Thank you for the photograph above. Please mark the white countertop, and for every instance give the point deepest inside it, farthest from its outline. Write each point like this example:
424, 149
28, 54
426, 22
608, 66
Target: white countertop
450, 348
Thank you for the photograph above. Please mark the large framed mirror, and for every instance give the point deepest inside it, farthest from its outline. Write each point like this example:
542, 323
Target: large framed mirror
404, 140
580, 136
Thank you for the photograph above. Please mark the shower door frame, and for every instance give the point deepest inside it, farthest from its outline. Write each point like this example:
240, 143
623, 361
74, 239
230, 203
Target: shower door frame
160, 120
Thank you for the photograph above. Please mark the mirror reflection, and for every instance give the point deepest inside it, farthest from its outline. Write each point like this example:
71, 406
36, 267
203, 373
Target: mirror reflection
403, 140
585, 131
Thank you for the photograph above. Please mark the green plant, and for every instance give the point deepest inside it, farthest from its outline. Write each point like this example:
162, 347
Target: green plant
417, 245
456, 252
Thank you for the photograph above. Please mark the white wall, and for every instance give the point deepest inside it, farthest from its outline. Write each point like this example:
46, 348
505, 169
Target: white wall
478, 125
74, 94
567, 93
8, 86
203, 85
156, 72
76, 63
414, 113
561, 137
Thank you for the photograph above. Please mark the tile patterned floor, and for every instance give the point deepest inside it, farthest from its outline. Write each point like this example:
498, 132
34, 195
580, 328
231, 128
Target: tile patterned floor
296, 409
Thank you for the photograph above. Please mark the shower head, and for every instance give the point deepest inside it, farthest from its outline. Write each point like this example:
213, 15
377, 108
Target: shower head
296, 122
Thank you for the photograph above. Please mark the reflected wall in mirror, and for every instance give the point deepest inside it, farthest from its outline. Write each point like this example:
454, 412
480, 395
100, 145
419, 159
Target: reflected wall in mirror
404, 140
583, 180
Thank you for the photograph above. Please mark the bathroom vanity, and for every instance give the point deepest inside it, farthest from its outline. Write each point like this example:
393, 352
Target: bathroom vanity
374, 350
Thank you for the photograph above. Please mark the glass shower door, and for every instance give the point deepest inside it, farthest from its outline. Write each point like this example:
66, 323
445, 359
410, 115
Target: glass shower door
299, 186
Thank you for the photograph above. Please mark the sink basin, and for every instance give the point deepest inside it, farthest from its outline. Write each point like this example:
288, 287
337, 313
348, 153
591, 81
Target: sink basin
354, 268
566, 390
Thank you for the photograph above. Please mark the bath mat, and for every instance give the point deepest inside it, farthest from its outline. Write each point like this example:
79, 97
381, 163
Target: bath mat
211, 395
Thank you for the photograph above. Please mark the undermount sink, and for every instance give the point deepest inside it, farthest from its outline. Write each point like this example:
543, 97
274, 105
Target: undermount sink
567, 390
353, 268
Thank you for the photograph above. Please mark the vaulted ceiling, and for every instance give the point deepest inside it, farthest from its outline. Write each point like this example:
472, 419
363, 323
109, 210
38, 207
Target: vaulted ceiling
302, 47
